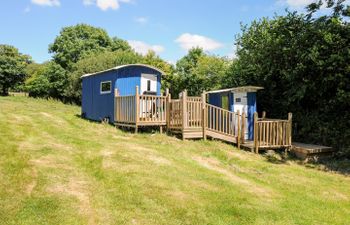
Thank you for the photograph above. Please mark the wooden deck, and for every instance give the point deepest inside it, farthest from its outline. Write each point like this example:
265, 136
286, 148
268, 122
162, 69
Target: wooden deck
303, 151
311, 152
194, 118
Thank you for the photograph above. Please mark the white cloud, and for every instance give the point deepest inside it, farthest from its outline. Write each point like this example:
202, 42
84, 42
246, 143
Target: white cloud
47, 2
141, 20
188, 41
143, 48
105, 4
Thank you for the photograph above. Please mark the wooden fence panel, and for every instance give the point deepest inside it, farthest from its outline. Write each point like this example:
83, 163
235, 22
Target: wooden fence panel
125, 110
152, 109
272, 133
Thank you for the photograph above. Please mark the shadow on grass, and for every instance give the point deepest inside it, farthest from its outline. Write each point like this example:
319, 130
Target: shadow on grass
334, 164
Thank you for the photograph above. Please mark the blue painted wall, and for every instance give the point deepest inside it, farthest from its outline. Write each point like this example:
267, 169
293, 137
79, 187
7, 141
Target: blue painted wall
251, 110
96, 106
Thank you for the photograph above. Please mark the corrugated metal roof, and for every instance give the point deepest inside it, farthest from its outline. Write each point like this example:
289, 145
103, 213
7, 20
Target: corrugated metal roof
237, 89
121, 67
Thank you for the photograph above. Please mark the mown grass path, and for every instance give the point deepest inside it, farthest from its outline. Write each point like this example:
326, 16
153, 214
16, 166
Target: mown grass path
56, 168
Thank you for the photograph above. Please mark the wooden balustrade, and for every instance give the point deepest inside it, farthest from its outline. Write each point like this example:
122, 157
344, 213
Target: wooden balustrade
196, 119
125, 110
225, 122
194, 112
152, 109
175, 114
272, 133
140, 110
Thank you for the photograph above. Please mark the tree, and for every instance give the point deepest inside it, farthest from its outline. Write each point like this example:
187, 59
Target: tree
47, 80
12, 67
197, 72
77, 42
302, 61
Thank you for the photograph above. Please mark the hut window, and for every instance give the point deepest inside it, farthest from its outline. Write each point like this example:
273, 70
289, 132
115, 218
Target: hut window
238, 100
148, 85
106, 87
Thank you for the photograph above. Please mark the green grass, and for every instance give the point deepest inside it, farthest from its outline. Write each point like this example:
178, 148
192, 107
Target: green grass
56, 168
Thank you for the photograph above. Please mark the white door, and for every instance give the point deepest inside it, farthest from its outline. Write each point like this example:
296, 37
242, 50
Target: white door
148, 83
241, 104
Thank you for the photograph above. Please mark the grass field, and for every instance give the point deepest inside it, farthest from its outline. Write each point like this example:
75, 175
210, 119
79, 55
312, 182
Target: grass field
56, 168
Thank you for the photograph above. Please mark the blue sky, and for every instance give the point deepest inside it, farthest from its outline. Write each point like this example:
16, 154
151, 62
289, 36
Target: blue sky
169, 27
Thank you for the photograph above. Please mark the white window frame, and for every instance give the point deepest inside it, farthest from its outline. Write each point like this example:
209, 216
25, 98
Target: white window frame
105, 92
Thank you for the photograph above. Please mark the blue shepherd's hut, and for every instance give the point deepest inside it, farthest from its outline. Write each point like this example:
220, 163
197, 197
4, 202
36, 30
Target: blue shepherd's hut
234, 99
98, 89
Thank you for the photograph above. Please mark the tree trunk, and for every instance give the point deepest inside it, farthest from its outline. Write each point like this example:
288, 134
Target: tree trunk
4, 91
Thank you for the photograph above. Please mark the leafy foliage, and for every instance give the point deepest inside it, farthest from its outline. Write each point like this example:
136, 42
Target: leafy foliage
48, 80
12, 67
197, 72
76, 42
303, 64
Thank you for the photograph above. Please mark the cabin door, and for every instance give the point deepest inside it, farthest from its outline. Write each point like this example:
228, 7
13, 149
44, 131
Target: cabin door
241, 104
149, 84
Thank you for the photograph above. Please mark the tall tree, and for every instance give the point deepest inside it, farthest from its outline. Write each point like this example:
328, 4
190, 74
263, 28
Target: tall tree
302, 61
12, 67
76, 42
47, 80
198, 72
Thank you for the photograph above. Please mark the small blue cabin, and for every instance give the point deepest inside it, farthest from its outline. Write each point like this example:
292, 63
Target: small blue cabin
98, 89
234, 99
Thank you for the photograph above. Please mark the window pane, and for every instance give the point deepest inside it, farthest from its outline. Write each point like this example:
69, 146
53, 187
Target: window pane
148, 85
106, 86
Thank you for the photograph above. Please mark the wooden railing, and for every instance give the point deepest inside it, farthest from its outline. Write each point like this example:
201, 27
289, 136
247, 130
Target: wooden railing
125, 109
225, 122
139, 110
194, 112
200, 119
272, 133
152, 109
175, 114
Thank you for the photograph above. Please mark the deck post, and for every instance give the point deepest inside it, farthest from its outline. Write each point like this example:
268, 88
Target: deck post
263, 116
256, 146
184, 112
239, 129
243, 128
290, 116
137, 108
204, 115
168, 103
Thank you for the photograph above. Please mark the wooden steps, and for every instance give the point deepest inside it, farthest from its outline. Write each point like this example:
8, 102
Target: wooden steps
311, 152
220, 136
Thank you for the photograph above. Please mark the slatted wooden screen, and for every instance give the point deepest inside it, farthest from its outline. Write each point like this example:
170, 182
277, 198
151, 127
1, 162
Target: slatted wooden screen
222, 121
152, 109
175, 111
272, 133
125, 110
194, 112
